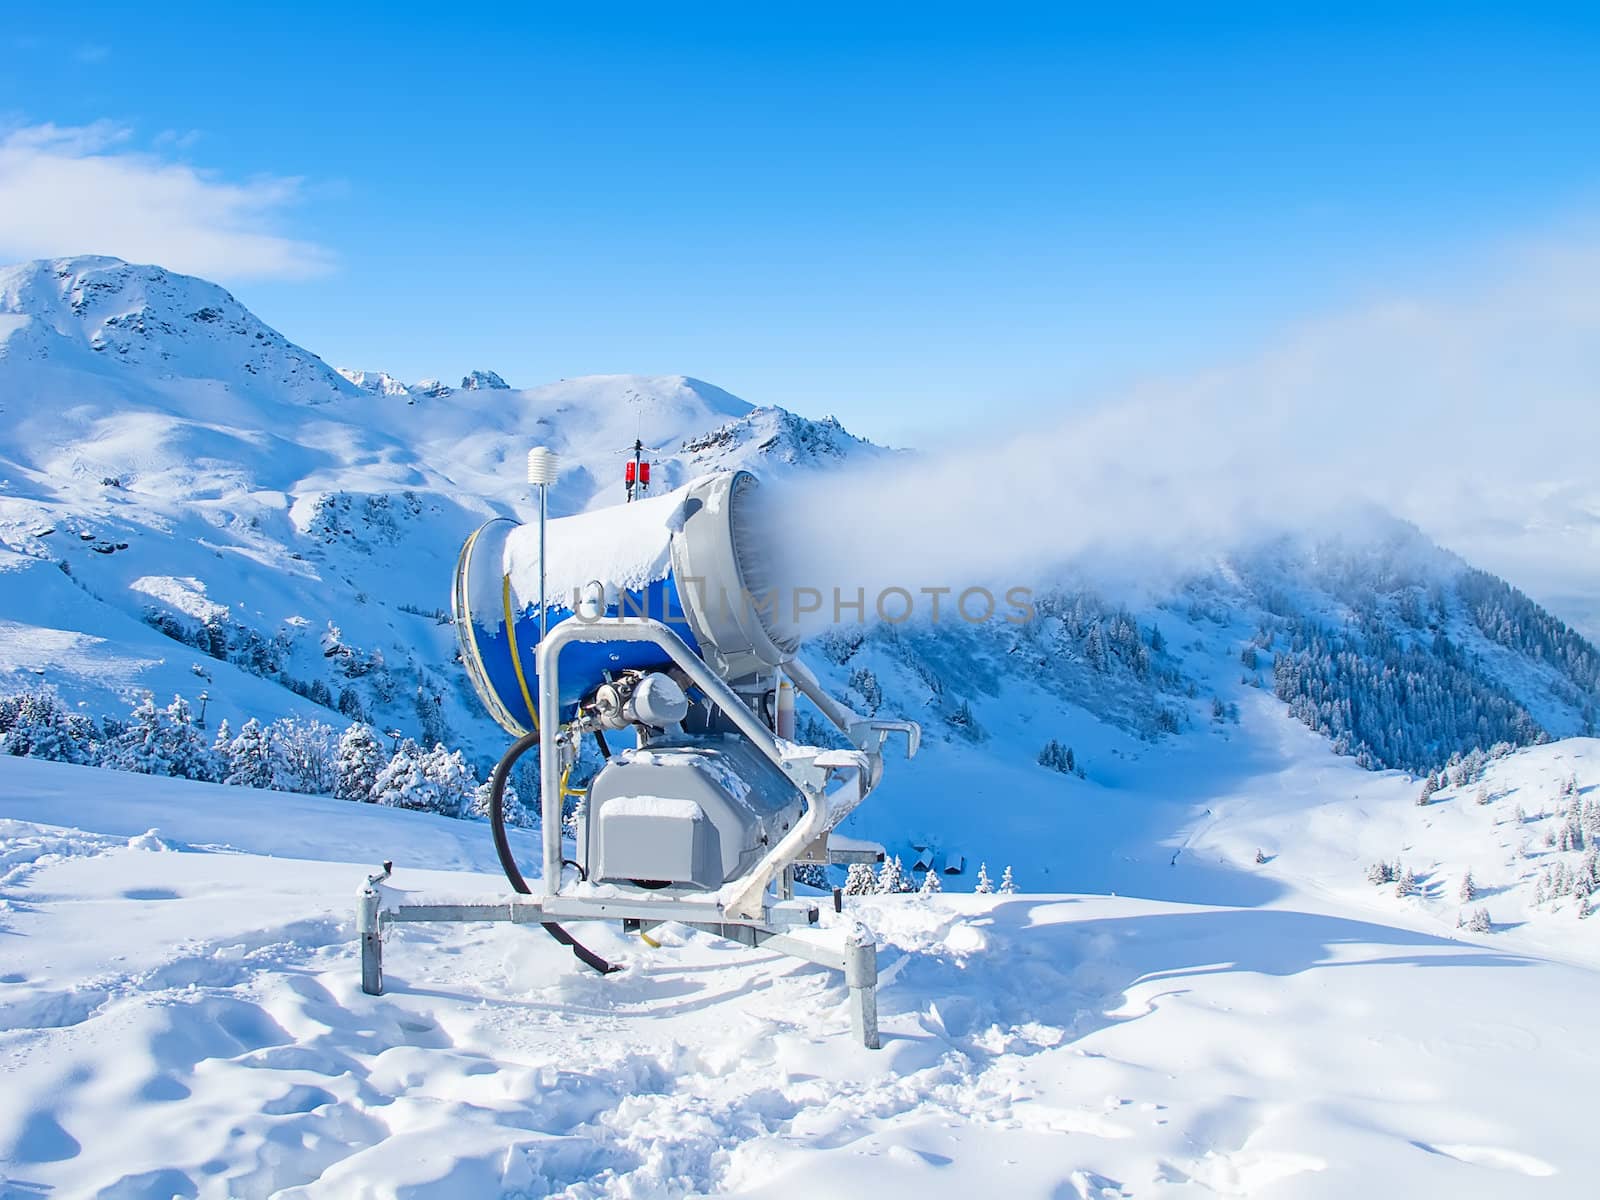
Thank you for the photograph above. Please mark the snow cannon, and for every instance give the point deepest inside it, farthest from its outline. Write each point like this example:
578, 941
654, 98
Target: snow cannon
661, 618
692, 559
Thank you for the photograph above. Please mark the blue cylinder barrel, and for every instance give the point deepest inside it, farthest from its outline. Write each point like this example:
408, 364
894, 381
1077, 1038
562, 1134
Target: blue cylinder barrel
697, 559
626, 551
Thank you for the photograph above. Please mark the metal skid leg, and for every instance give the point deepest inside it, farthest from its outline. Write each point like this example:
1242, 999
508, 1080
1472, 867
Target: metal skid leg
790, 930
857, 958
367, 924
861, 977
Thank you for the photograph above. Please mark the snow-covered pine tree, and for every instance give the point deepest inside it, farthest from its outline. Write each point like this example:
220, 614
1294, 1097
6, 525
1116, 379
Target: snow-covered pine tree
892, 877
813, 875
137, 748
865, 684
1570, 836
1380, 873
1588, 876
350, 704
930, 883
985, 884
357, 761
858, 880
307, 754
252, 760
162, 741
516, 813
187, 750
1429, 787
1406, 883
36, 724
429, 717
962, 717
220, 744
1008, 885
213, 636
1479, 921
1058, 757
449, 773
401, 783
1469, 889
1560, 880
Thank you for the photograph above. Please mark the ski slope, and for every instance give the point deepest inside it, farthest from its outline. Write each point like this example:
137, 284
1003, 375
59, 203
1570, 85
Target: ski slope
180, 1015
1202, 995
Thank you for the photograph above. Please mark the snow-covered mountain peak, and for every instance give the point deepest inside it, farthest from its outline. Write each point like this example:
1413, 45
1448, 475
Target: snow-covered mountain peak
779, 436
484, 380
379, 383
103, 315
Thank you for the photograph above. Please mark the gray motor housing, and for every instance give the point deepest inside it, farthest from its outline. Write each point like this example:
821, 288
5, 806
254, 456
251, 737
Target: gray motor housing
690, 811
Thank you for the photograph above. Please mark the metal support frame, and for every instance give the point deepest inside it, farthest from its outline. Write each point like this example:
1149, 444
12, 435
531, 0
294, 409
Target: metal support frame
790, 931
744, 910
744, 897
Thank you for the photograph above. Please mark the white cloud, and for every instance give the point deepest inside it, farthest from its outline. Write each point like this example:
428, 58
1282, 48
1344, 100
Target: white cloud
84, 190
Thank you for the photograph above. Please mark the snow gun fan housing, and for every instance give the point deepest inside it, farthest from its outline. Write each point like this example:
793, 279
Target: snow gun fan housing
662, 618
688, 559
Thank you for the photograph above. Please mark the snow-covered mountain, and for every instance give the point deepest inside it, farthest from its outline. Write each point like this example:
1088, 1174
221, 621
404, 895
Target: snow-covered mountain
190, 501
168, 458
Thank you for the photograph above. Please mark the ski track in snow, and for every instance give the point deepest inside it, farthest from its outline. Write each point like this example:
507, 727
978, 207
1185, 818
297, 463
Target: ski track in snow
177, 1020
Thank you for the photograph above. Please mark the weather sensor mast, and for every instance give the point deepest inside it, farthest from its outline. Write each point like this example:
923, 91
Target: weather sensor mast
660, 618
636, 473
544, 466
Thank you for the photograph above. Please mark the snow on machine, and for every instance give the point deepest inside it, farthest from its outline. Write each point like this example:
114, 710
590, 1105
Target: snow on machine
662, 618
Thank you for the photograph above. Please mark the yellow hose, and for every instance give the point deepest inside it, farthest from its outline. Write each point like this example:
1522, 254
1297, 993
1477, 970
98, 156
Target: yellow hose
516, 660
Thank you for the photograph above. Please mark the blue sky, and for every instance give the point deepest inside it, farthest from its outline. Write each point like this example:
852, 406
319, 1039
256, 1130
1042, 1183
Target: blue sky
920, 218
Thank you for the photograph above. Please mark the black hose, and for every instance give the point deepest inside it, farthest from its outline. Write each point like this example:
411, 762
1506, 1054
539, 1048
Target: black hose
497, 810
508, 861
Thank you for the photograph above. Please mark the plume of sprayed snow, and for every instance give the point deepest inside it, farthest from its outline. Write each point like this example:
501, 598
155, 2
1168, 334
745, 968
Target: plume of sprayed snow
1474, 416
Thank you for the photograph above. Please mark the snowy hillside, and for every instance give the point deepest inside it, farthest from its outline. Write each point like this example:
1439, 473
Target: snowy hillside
190, 503
180, 1011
